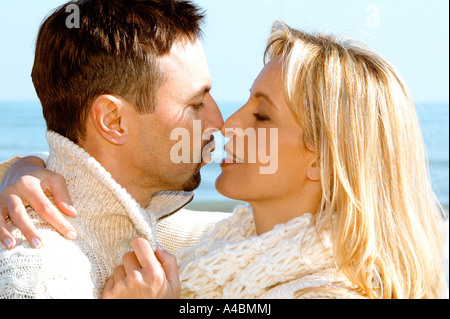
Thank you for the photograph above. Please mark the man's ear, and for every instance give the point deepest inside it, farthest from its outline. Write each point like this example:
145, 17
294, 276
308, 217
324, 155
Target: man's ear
107, 115
313, 171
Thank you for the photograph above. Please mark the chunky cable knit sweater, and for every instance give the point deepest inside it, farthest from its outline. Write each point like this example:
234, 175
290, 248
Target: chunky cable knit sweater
231, 261
108, 219
228, 262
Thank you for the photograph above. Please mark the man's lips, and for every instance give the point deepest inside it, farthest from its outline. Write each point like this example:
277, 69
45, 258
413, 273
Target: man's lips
210, 146
207, 150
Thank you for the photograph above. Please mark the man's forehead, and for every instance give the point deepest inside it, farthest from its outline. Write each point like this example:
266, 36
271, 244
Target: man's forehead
185, 69
183, 55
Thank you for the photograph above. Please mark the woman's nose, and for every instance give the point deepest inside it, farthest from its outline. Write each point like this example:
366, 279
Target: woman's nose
234, 121
228, 127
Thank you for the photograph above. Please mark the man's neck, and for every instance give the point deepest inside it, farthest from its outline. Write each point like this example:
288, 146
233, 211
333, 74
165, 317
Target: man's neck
122, 174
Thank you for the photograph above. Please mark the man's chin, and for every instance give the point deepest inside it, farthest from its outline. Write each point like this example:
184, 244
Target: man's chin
193, 182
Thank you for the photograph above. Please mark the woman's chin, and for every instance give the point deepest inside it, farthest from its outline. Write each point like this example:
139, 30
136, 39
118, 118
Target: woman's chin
229, 187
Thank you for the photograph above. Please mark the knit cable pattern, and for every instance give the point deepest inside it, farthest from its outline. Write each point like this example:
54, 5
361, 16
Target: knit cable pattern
108, 219
232, 262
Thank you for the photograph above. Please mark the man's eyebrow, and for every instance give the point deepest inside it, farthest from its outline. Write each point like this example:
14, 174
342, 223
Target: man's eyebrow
199, 94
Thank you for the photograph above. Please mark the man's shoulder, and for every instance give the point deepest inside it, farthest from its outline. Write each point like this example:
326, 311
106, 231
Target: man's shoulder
201, 214
185, 228
193, 219
5, 165
58, 269
53, 244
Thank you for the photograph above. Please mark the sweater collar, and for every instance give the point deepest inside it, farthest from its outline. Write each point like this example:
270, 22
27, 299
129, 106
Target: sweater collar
71, 161
163, 204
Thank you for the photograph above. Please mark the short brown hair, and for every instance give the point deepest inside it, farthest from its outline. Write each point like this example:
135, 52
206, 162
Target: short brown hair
114, 51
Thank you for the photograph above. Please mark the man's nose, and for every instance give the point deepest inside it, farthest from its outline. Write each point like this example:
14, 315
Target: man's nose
213, 118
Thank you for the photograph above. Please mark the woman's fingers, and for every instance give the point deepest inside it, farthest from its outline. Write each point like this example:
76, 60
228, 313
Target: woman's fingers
131, 264
119, 274
6, 236
34, 195
142, 274
56, 185
38, 200
144, 253
159, 268
19, 216
109, 285
170, 266
27, 183
152, 270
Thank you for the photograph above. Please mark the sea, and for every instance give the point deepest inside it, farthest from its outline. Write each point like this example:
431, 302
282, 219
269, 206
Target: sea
22, 132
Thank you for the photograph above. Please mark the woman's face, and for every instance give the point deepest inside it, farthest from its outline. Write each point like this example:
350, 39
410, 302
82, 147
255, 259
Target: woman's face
273, 162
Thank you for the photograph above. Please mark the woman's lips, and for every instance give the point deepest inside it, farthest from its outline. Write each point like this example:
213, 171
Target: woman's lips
230, 158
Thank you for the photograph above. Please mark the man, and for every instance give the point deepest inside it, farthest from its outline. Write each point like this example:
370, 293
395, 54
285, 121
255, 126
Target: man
111, 92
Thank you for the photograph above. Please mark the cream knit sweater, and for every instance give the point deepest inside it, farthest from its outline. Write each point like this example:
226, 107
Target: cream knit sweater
108, 219
231, 261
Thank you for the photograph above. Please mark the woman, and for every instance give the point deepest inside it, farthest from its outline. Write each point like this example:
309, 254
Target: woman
349, 212
351, 197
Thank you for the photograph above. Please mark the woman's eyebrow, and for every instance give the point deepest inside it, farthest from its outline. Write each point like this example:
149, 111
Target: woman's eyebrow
259, 94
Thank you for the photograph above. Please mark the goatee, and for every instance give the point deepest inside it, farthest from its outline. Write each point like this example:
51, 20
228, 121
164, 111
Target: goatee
193, 182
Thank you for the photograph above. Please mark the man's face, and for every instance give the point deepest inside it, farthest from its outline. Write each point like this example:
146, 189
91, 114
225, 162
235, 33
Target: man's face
182, 98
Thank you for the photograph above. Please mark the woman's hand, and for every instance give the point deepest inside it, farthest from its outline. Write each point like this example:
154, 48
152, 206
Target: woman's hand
27, 182
144, 274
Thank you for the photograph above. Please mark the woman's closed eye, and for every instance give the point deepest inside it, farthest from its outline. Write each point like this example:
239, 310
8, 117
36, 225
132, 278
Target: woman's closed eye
261, 117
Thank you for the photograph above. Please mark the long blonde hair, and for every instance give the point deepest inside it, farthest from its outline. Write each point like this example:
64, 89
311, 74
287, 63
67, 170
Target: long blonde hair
358, 116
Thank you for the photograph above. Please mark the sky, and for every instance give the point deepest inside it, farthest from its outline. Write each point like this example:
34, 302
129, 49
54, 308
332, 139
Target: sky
412, 34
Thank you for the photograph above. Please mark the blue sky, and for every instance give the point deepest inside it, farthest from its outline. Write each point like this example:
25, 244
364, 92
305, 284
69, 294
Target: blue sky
413, 35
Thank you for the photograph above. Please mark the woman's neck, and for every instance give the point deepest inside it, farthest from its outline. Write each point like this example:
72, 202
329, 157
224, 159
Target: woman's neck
272, 211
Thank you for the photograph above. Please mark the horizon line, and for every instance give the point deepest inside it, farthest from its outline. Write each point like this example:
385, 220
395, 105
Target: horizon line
217, 101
